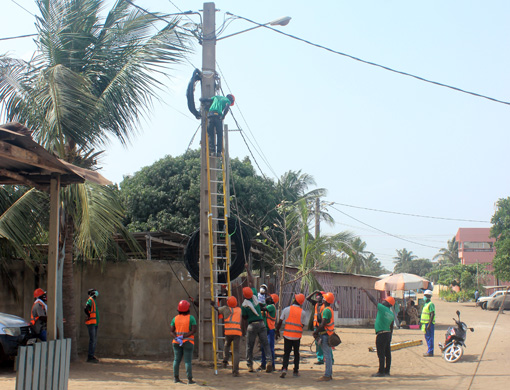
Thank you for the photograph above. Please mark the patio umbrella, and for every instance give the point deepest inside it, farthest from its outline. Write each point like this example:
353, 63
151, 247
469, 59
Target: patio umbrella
401, 281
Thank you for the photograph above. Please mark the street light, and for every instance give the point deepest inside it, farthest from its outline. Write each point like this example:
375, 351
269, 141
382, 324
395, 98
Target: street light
283, 21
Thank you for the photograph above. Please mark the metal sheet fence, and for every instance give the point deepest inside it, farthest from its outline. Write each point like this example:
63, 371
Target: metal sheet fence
44, 365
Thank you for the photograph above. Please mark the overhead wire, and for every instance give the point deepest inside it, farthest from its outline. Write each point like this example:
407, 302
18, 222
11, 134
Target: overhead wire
18, 37
23, 8
378, 65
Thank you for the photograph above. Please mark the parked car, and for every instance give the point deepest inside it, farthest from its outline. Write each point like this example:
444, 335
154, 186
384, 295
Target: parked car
495, 303
483, 301
14, 332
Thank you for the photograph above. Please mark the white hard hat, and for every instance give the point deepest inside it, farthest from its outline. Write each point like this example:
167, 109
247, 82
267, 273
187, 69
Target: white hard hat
427, 292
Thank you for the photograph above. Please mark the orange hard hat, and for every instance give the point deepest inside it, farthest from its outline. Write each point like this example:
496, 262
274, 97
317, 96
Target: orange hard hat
247, 292
329, 298
390, 300
183, 306
39, 292
300, 298
232, 301
275, 297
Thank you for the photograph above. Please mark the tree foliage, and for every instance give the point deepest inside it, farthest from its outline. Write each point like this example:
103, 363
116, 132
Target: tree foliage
420, 267
403, 256
450, 254
501, 232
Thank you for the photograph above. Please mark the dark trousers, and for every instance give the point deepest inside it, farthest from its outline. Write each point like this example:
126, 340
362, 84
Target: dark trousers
270, 340
383, 345
92, 340
288, 346
215, 133
229, 339
186, 351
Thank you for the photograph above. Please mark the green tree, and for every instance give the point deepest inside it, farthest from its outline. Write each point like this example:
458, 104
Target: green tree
90, 81
355, 256
450, 254
500, 230
403, 256
373, 266
420, 267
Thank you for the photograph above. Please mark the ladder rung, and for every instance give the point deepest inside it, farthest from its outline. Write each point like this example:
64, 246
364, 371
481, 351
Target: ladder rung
219, 231
218, 219
220, 244
216, 181
219, 258
216, 169
218, 206
217, 193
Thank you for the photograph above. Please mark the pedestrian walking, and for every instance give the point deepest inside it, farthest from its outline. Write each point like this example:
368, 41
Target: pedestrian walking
323, 331
92, 322
384, 331
428, 320
293, 319
182, 329
38, 314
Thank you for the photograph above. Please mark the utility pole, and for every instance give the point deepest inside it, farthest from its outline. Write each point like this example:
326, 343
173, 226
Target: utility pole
205, 338
317, 217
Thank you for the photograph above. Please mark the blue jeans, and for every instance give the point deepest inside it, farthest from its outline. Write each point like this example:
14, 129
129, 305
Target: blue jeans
187, 351
92, 340
429, 338
328, 355
270, 340
43, 335
318, 349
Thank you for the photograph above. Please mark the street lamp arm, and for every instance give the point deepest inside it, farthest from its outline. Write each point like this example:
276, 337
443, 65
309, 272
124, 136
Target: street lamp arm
277, 22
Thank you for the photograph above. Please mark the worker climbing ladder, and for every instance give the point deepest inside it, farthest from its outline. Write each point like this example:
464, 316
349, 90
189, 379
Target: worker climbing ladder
219, 244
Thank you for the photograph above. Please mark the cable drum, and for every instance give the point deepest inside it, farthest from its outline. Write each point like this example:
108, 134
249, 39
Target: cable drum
240, 248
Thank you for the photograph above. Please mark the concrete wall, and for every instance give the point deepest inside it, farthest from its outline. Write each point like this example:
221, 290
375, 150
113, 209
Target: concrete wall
137, 300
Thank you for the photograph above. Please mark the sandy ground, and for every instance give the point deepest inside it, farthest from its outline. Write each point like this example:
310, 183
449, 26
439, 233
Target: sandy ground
353, 366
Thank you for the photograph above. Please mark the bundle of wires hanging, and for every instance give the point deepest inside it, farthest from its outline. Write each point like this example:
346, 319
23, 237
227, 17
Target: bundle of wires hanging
190, 93
240, 243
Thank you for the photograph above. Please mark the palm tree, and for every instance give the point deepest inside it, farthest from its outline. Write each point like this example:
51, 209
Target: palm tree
355, 256
450, 254
91, 81
403, 256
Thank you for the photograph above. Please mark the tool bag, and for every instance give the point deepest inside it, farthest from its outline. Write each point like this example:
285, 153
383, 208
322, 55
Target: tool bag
334, 340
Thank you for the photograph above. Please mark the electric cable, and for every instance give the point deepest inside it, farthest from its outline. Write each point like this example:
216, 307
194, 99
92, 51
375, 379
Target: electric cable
377, 65
18, 36
184, 288
23, 8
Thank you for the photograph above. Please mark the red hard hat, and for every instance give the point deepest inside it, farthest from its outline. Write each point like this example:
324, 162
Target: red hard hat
39, 292
247, 292
390, 300
232, 301
275, 297
300, 298
231, 98
183, 306
329, 298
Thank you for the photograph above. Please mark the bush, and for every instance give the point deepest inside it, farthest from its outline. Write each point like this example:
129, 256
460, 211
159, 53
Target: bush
461, 296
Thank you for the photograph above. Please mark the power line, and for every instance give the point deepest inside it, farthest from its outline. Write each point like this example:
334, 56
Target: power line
17, 37
386, 233
410, 215
23, 8
378, 65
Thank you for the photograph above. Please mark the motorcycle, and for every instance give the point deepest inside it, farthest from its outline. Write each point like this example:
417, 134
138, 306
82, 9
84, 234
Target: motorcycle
455, 336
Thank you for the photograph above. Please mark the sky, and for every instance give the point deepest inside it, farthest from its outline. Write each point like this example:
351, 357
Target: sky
374, 139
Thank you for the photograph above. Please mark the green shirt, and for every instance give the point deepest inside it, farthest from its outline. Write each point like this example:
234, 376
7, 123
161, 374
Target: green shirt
272, 312
247, 312
384, 318
192, 321
89, 304
218, 104
327, 314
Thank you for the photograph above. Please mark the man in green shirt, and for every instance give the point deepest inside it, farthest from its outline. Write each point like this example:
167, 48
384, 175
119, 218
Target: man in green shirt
384, 330
217, 112
92, 322
428, 319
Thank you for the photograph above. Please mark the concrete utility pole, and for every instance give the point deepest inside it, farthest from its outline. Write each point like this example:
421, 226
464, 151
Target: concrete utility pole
205, 339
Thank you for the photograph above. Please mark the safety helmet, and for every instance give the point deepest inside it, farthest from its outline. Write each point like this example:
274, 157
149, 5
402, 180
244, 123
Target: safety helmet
275, 297
39, 292
300, 298
263, 286
427, 292
247, 292
390, 300
232, 301
231, 98
183, 306
329, 298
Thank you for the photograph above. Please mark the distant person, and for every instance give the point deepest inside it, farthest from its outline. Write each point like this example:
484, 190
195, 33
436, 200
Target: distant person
412, 312
293, 319
262, 295
428, 319
477, 295
38, 314
233, 332
92, 322
324, 330
316, 299
182, 329
217, 111
384, 331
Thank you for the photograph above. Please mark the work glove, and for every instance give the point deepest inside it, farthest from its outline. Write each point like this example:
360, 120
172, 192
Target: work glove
179, 340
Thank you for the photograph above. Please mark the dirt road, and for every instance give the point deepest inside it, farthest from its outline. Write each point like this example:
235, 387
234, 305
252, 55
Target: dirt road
352, 369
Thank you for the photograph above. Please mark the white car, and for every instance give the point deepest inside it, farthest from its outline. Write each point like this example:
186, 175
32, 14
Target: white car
482, 301
14, 331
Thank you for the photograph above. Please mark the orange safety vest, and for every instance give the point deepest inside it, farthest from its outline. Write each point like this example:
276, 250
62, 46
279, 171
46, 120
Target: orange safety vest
315, 315
293, 326
330, 326
270, 320
182, 327
233, 322
92, 320
32, 319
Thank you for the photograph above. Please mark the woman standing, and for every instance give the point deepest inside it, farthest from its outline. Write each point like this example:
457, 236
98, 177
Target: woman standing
182, 329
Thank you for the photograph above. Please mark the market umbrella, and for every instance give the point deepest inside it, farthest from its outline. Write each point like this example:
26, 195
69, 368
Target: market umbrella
401, 281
